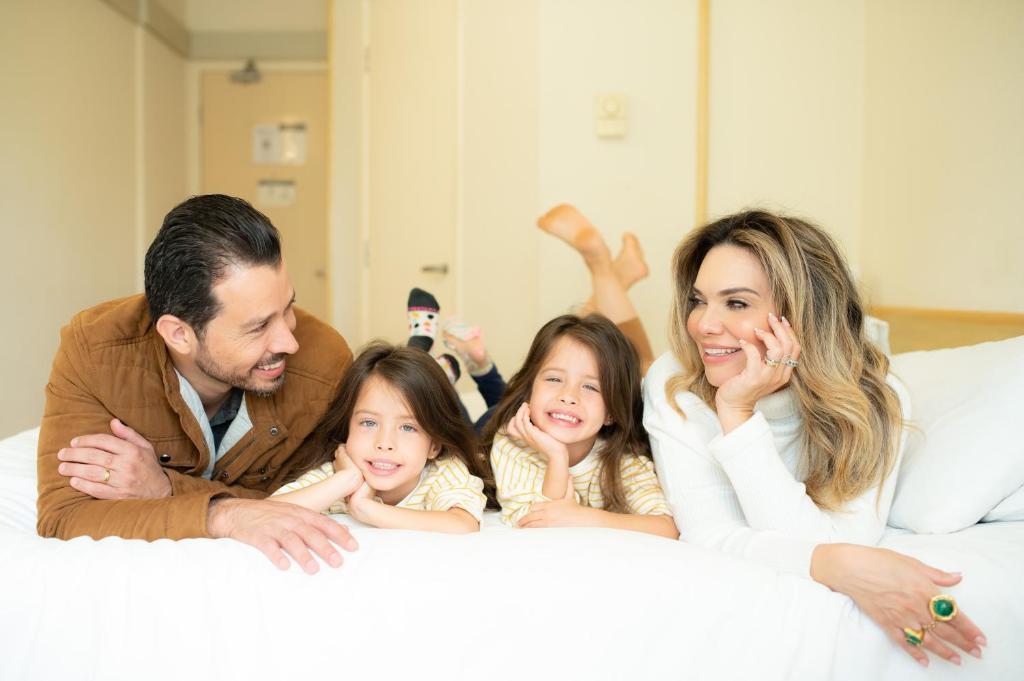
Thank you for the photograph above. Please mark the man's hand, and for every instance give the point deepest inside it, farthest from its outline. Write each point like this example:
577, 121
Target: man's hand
118, 466
280, 530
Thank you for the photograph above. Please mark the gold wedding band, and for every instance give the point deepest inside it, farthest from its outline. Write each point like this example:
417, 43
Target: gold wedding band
771, 362
106, 475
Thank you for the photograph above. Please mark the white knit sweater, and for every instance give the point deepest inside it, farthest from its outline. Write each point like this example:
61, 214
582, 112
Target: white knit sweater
742, 492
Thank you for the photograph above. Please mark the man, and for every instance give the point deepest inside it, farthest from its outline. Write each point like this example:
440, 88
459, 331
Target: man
211, 385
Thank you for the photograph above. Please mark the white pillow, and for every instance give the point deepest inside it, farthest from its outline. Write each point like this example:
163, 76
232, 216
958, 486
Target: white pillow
1010, 508
967, 455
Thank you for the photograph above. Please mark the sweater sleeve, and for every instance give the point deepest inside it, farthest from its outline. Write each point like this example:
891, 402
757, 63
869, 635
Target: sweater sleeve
519, 478
773, 500
734, 493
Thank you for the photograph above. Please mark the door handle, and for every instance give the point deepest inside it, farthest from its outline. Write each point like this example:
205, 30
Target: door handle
441, 268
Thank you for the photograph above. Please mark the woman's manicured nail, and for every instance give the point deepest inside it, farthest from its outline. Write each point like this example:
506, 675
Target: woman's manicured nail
955, 660
976, 652
923, 661
981, 641
785, 321
771, 315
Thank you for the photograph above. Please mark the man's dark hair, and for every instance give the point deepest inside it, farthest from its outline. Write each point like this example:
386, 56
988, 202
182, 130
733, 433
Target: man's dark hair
201, 239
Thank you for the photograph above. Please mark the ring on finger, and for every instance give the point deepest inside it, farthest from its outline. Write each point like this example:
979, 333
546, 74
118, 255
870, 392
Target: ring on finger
792, 363
771, 362
106, 476
943, 608
914, 637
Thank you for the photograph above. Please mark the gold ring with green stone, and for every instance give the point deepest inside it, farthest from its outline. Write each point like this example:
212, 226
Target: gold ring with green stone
943, 607
914, 637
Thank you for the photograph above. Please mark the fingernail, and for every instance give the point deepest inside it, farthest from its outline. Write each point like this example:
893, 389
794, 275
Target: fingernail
74, 443
312, 567
334, 560
771, 315
785, 321
60, 454
62, 469
923, 661
981, 641
957, 574
976, 652
955, 660
742, 342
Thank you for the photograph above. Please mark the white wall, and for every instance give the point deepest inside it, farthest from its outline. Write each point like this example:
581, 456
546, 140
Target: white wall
644, 182
70, 182
944, 162
787, 111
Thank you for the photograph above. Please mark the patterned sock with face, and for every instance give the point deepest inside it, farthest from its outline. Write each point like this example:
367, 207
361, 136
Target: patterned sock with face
450, 366
423, 313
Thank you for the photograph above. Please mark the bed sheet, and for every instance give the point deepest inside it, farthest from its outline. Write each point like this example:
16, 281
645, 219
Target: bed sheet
499, 604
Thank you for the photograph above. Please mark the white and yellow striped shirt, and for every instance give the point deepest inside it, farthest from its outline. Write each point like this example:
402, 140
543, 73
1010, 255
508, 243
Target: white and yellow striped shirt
519, 475
445, 483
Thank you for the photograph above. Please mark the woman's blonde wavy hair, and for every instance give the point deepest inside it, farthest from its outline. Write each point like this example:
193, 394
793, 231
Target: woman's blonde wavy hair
852, 418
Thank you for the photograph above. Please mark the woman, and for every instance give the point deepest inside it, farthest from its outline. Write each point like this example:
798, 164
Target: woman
777, 431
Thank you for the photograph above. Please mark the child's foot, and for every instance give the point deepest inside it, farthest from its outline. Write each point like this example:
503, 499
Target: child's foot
468, 342
450, 366
630, 266
423, 319
572, 227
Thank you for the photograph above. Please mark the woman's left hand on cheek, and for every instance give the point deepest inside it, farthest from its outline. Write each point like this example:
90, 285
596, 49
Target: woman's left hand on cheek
558, 513
762, 375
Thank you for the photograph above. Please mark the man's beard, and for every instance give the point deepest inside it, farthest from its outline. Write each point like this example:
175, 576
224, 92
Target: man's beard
244, 381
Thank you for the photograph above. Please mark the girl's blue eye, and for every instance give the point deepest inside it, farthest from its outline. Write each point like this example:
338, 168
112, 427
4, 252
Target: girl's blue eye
368, 423
408, 428
553, 379
591, 386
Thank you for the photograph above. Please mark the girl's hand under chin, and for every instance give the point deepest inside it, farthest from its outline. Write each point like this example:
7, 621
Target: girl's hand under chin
359, 501
347, 471
521, 428
735, 399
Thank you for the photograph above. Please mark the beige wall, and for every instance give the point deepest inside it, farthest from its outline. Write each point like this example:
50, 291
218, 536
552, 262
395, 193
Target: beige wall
787, 111
944, 162
69, 181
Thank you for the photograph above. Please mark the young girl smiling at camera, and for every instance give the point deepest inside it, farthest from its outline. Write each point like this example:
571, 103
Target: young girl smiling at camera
396, 451
566, 442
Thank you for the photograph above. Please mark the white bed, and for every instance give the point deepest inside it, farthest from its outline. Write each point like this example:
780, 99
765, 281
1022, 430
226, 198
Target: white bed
501, 604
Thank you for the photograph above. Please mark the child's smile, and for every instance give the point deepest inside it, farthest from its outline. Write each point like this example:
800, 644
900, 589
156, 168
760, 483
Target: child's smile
386, 443
566, 400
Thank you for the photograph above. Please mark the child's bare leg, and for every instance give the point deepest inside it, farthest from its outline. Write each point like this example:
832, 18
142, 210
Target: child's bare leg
610, 296
569, 225
630, 267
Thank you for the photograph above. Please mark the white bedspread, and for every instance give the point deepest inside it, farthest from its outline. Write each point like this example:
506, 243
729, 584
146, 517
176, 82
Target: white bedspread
501, 604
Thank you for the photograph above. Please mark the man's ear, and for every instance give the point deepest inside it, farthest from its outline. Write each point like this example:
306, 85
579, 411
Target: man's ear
177, 334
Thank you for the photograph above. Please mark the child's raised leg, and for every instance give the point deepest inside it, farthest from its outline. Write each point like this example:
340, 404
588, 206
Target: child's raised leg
610, 296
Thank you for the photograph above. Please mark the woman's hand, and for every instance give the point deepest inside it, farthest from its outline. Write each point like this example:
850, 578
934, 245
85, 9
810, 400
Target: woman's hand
735, 399
521, 428
895, 590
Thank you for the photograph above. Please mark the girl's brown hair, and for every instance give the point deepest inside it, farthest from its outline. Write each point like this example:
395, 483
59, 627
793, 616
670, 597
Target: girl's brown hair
618, 368
423, 385
851, 416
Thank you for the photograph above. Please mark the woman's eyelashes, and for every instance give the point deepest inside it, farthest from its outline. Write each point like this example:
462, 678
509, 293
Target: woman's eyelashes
731, 303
